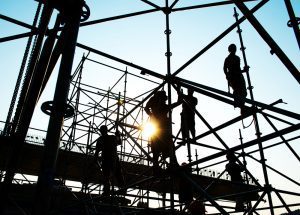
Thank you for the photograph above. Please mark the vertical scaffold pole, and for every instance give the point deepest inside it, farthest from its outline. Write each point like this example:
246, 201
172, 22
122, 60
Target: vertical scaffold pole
294, 21
123, 105
7, 125
19, 136
257, 129
107, 105
245, 164
243, 48
52, 141
268, 39
77, 99
167, 11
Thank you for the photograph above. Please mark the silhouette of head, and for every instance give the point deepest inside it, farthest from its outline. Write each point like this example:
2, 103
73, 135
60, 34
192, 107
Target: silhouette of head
103, 129
190, 91
188, 169
162, 95
232, 48
183, 164
230, 156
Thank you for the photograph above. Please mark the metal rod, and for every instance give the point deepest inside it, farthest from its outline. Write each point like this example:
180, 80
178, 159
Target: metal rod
204, 193
279, 173
17, 22
282, 201
264, 34
196, 87
20, 75
151, 4
288, 192
246, 145
46, 175
293, 20
123, 71
249, 204
207, 5
117, 17
257, 203
243, 48
18, 144
120, 60
17, 36
268, 39
283, 139
168, 54
217, 39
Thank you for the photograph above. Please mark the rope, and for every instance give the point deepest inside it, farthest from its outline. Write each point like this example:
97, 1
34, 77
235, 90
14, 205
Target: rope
244, 127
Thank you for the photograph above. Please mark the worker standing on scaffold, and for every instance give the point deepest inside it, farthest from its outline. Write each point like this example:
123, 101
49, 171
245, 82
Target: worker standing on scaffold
109, 158
235, 78
161, 141
235, 170
188, 116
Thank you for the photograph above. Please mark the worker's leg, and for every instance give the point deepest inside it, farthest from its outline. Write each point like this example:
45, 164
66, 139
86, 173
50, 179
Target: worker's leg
241, 90
233, 83
155, 153
184, 128
192, 126
119, 174
106, 182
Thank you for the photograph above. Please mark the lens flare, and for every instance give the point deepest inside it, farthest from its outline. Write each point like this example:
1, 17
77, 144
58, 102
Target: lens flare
148, 129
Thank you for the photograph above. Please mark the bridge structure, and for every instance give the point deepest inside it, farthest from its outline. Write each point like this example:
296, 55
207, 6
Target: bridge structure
56, 172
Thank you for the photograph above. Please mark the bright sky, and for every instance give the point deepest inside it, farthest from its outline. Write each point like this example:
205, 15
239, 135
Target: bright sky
141, 40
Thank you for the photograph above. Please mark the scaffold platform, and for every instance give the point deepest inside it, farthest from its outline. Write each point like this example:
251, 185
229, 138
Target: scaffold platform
82, 168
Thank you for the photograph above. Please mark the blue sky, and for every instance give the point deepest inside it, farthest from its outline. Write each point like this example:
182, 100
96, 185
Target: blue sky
141, 40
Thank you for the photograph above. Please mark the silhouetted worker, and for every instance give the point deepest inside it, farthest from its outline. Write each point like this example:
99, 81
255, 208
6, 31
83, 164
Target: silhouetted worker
185, 187
235, 170
233, 72
188, 115
161, 141
109, 158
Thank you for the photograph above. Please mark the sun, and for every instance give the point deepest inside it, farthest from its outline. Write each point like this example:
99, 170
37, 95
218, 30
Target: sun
148, 129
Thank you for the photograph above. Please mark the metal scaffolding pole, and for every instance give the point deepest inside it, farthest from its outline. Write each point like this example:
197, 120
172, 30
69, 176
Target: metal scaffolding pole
52, 141
168, 54
268, 39
20, 76
294, 21
19, 137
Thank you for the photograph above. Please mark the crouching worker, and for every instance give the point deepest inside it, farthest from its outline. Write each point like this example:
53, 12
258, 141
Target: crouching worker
111, 167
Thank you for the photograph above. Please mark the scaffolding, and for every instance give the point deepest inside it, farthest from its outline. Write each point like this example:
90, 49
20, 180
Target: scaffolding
79, 109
